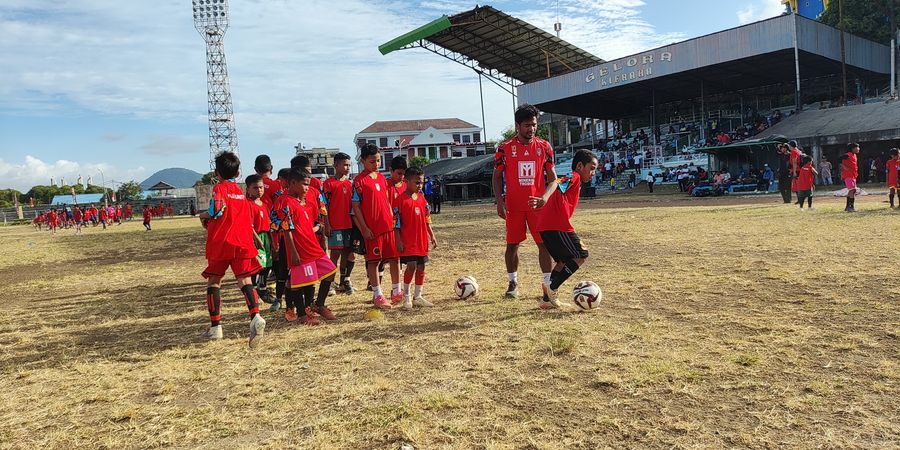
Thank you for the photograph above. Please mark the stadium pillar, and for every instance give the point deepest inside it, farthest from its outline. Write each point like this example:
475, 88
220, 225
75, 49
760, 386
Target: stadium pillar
843, 52
798, 106
702, 114
653, 115
481, 95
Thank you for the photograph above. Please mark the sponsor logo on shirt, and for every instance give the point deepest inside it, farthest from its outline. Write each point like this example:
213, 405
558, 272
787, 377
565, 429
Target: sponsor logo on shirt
526, 173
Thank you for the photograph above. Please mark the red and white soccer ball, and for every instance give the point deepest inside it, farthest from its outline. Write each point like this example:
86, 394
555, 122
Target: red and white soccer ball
587, 295
466, 287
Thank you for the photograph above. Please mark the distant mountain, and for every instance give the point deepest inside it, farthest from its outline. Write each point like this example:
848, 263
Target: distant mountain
178, 177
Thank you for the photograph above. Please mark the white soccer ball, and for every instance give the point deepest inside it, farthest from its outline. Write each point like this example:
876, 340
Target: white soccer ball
466, 287
587, 295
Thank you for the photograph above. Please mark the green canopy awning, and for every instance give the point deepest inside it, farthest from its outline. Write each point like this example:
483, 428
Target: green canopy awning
435, 26
740, 146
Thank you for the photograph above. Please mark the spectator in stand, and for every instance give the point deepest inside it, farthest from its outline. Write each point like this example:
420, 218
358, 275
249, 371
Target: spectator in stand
701, 174
765, 180
825, 171
632, 180
651, 180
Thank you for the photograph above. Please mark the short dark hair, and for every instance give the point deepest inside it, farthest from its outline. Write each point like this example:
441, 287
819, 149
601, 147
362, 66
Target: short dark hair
252, 179
297, 174
806, 159
584, 157
284, 173
300, 161
792, 143
852, 145
894, 152
368, 150
526, 112
228, 165
413, 172
398, 162
262, 164
341, 156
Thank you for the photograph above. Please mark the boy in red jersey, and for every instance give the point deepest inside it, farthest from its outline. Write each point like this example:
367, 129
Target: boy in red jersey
229, 243
78, 217
849, 172
52, 220
263, 167
398, 186
104, 217
373, 216
892, 167
147, 217
554, 223
129, 211
338, 191
307, 260
524, 163
94, 214
279, 260
805, 181
413, 233
260, 219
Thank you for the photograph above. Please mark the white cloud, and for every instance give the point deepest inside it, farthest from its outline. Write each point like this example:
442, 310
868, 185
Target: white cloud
166, 145
759, 10
33, 171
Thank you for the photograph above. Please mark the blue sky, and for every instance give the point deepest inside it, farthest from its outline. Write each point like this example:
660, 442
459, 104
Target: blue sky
121, 86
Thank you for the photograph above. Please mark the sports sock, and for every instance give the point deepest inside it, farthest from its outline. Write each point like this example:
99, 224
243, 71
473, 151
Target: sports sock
395, 288
279, 289
419, 288
309, 293
809, 201
558, 278
376, 291
848, 203
513, 276
251, 299
420, 277
547, 278
324, 286
292, 299
349, 266
891, 196
407, 277
213, 304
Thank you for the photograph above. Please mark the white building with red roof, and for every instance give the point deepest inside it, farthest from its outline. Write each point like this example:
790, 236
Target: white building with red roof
435, 139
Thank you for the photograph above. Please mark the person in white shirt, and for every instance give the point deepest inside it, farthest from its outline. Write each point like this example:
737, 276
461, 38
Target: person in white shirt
651, 180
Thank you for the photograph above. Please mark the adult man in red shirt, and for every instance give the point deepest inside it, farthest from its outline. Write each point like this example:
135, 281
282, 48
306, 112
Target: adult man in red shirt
524, 163
794, 156
849, 172
338, 191
229, 243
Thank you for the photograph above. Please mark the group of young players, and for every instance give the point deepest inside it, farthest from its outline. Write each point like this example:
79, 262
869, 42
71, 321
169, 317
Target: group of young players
285, 226
76, 218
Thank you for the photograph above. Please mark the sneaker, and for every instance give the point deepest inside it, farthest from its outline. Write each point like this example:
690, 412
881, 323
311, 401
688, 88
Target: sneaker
265, 295
407, 303
257, 329
348, 287
369, 287
213, 333
381, 302
396, 297
339, 288
512, 291
422, 303
309, 319
276, 305
331, 291
851, 209
290, 314
546, 304
326, 313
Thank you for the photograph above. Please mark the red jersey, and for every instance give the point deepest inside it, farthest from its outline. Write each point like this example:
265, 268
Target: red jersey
794, 157
337, 199
397, 188
892, 172
556, 214
413, 215
850, 168
315, 203
147, 215
260, 217
128, 210
806, 179
272, 187
103, 214
230, 233
292, 218
523, 166
372, 193
315, 183
77, 215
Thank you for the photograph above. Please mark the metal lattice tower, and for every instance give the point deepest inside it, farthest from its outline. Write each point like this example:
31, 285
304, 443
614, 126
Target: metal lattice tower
211, 20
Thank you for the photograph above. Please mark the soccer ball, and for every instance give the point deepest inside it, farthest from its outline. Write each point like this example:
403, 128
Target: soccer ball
466, 287
587, 295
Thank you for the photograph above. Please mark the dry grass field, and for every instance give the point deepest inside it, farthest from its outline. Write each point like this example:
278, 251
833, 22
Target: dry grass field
725, 324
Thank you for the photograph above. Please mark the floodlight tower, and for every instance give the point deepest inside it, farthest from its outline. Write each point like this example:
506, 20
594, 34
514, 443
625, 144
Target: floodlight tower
211, 21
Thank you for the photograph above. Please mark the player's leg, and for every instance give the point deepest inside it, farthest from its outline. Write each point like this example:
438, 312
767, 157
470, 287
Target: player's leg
419, 300
544, 259
213, 273
891, 193
307, 315
348, 260
515, 234
566, 249
280, 267
408, 276
243, 270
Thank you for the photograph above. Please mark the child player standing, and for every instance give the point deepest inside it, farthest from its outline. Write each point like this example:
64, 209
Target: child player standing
306, 259
413, 233
806, 181
849, 172
338, 191
229, 243
892, 167
373, 215
397, 182
554, 223
147, 217
255, 190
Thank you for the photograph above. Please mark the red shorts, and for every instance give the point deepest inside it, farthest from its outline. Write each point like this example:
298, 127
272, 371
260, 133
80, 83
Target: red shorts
516, 223
241, 267
384, 246
310, 273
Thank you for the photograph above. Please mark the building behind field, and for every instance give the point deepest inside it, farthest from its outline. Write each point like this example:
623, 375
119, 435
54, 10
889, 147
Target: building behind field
321, 159
434, 139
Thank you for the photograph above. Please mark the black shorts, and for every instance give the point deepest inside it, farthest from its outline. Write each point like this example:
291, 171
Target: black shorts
563, 245
413, 259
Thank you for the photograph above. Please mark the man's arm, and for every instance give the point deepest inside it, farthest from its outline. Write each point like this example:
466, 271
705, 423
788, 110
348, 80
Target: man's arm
497, 184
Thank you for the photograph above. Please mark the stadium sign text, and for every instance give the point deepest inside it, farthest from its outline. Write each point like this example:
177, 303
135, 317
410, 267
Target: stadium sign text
627, 69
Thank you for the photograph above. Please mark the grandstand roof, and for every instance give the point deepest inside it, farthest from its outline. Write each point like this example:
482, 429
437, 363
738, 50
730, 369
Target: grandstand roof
488, 39
470, 168
858, 123
395, 126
